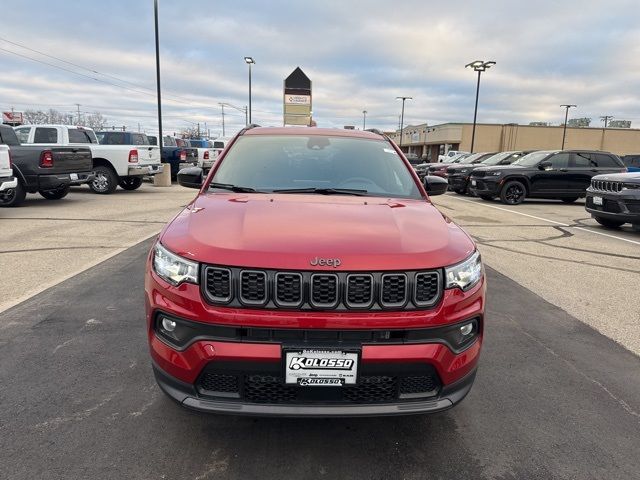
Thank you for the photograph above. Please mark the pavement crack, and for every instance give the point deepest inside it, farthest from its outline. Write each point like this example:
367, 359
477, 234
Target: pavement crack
625, 406
62, 345
78, 416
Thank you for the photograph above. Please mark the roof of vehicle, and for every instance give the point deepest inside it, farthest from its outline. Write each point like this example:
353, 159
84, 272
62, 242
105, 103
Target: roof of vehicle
56, 125
307, 131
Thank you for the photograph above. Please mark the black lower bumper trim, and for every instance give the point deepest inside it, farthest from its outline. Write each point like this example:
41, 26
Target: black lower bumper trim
186, 395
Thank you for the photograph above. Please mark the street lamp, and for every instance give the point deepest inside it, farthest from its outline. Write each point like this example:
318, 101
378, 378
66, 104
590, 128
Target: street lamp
364, 119
249, 61
155, 12
402, 117
478, 66
566, 116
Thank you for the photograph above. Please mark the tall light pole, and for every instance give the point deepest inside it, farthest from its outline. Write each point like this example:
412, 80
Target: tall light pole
566, 117
364, 119
249, 61
402, 117
478, 66
155, 11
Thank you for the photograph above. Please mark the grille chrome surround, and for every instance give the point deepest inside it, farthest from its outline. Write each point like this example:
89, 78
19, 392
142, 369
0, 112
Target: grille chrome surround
321, 289
606, 186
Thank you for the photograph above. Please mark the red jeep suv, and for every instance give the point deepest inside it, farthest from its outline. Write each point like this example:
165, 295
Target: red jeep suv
312, 276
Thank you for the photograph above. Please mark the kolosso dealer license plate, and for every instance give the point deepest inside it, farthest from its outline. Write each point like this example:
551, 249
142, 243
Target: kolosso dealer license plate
321, 368
597, 200
473, 183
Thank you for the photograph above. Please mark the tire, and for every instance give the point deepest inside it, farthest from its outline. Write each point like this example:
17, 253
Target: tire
55, 194
13, 197
513, 193
105, 181
488, 198
569, 200
605, 222
130, 183
459, 192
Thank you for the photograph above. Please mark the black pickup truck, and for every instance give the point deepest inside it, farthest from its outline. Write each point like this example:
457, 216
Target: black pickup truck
46, 170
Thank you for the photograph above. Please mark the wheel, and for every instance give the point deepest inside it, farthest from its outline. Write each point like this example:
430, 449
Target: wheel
513, 193
130, 183
605, 222
569, 200
488, 198
55, 194
105, 181
13, 197
458, 191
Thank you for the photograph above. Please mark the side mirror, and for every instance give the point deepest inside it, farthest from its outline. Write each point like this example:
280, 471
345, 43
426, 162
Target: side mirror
545, 166
435, 185
190, 177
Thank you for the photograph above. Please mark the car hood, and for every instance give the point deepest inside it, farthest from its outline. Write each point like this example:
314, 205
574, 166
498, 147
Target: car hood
619, 177
288, 231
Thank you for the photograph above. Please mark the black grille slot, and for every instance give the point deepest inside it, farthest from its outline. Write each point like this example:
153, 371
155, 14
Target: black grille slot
424, 385
324, 290
394, 290
427, 288
216, 383
359, 290
288, 289
373, 389
219, 284
268, 389
253, 287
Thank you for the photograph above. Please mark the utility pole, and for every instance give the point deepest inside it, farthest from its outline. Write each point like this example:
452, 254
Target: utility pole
222, 105
198, 129
138, 127
605, 119
402, 117
364, 119
566, 117
155, 12
78, 105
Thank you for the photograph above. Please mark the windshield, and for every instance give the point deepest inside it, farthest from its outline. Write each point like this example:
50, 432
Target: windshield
497, 158
471, 158
532, 159
268, 163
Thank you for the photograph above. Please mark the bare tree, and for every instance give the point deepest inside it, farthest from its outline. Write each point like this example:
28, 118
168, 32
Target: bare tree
95, 121
38, 117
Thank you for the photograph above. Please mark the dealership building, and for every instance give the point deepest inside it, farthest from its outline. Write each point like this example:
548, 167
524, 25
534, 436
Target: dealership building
429, 141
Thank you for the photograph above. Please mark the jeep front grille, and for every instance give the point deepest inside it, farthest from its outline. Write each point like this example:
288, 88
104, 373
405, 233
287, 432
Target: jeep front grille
312, 290
606, 186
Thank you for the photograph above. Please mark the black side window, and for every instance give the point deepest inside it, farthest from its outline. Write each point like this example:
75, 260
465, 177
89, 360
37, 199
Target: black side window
45, 135
79, 136
584, 160
218, 144
140, 139
559, 160
8, 137
605, 161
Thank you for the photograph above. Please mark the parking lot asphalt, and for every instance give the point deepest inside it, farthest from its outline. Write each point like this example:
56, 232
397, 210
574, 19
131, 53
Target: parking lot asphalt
553, 399
557, 251
46, 241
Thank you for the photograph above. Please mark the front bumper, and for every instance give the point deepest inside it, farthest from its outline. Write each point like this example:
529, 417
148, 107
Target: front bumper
484, 186
141, 170
458, 182
617, 207
7, 183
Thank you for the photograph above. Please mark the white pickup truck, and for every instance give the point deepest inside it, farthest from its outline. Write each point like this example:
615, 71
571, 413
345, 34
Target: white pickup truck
113, 165
7, 181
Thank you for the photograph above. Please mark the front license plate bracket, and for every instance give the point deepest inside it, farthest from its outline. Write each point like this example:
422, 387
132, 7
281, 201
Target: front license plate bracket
309, 367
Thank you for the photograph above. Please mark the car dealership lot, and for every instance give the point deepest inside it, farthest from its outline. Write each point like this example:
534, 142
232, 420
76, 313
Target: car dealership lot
553, 398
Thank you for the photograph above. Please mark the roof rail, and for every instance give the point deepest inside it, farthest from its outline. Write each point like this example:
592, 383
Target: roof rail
248, 127
375, 130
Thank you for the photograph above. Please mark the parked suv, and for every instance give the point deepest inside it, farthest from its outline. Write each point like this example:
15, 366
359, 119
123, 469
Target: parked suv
632, 162
563, 175
613, 200
312, 276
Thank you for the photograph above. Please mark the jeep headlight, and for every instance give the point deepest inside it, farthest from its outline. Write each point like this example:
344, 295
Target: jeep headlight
464, 170
631, 186
464, 275
493, 174
172, 268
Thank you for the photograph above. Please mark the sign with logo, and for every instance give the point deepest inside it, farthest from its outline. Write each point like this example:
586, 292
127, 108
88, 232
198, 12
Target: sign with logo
14, 118
297, 101
321, 368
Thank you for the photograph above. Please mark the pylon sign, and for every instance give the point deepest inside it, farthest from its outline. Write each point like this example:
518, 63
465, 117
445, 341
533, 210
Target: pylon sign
297, 99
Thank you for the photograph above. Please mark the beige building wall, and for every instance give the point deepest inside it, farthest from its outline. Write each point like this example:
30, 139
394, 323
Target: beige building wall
496, 137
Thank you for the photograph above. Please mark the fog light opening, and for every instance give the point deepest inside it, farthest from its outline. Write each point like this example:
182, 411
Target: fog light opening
168, 325
466, 329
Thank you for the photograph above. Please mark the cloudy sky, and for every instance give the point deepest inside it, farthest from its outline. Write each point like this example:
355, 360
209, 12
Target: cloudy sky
360, 55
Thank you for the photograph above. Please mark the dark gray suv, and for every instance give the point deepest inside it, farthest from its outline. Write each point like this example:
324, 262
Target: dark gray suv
614, 199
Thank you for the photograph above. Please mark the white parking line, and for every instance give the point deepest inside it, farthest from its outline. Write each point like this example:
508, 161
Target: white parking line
546, 220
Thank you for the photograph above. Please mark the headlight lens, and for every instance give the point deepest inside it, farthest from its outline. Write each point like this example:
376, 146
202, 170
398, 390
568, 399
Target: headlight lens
465, 274
631, 186
172, 268
493, 174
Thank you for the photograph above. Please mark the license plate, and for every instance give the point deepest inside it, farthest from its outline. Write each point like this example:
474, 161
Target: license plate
597, 201
73, 176
473, 183
321, 368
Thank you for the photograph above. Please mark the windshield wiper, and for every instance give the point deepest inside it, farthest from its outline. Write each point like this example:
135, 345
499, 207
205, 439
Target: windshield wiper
234, 188
323, 191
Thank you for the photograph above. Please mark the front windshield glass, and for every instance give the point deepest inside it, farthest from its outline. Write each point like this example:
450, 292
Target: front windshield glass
470, 159
267, 163
532, 159
497, 158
